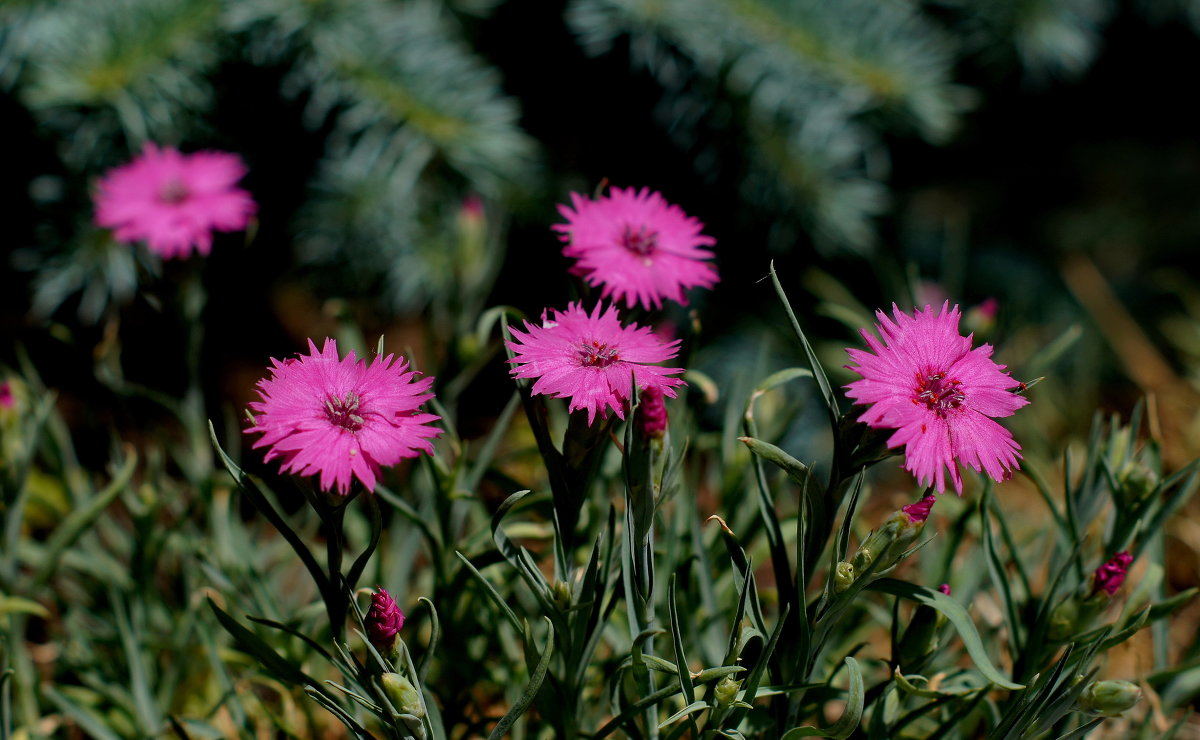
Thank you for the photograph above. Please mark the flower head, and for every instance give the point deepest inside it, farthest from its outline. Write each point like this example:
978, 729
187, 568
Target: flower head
636, 245
342, 417
1109, 577
926, 382
174, 201
944, 588
592, 359
6, 396
384, 621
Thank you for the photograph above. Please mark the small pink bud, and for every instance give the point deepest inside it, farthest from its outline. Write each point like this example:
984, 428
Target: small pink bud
919, 511
1109, 577
944, 588
472, 206
988, 308
6, 395
384, 621
652, 413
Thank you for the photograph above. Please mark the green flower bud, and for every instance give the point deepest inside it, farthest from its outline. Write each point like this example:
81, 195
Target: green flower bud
727, 690
843, 577
403, 695
1109, 698
561, 594
1064, 620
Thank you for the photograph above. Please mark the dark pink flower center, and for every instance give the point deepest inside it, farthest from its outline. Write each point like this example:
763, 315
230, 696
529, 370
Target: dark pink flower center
641, 242
939, 393
344, 411
596, 354
173, 192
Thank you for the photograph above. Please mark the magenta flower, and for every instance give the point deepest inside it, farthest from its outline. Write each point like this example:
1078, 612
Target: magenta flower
384, 621
174, 201
638, 246
926, 382
919, 511
337, 417
944, 588
1109, 577
592, 359
6, 396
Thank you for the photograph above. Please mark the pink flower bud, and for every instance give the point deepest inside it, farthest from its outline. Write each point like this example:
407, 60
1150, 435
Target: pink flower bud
384, 621
652, 413
919, 511
6, 395
1109, 577
944, 588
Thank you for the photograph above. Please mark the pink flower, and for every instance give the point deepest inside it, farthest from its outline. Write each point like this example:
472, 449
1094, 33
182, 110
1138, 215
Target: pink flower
6, 396
919, 511
337, 417
926, 382
174, 201
944, 588
384, 621
1109, 577
637, 246
592, 359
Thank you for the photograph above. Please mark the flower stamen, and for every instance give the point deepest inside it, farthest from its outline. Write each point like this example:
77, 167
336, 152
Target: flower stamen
173, 192
642, 242
595, 354
938, 393
342, 412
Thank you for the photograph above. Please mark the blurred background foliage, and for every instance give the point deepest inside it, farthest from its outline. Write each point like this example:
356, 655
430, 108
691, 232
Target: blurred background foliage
406, 156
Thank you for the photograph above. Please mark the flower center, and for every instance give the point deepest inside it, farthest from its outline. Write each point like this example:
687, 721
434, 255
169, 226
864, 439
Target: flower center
938, 392
641, 242
173, 192
595, 354
343, 412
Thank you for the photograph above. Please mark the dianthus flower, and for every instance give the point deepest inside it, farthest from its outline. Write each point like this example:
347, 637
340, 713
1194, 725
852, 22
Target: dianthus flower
337, 417
174, 201
636, 245
384, 620
592, 359
926, 382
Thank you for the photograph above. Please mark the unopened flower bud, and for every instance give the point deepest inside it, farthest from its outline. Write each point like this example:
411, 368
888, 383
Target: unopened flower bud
726, 691
843, 577
1139, 481
652, 413
1064, 619
384, 621
561, 593
1109, 577
944, 588
402, 694
7, 401
917, 513
1109, 698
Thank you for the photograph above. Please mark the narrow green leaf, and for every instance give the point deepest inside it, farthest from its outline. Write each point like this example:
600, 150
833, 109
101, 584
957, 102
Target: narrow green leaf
491, 591
360, 563
818, 371
1082, 730
91, 723
692, 708
850, 718
957, 617
275, 664
264, 506
81, 518
531, 690
18, 605
683, 673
